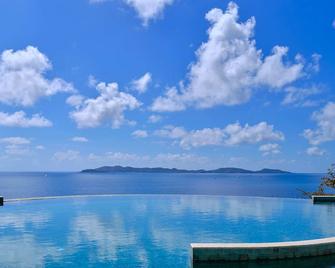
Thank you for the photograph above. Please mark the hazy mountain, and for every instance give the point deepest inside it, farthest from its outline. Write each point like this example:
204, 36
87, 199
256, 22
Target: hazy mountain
112, 169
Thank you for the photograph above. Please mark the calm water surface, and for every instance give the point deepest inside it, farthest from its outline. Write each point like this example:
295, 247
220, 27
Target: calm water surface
154, 230
50, 184
151, 230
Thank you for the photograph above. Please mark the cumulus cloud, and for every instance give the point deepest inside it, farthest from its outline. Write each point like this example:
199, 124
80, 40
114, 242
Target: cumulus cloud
260, 132
274, 72
231, 135
23, 80
79, 139
15, 140
154, 118
148, 9
140, 133
171, 132
269, 148
172, 101
300, 97
16, 150
16, 146
141, 85
325, 120
19, 119
108, 107
68, 155
229, 67
315, 151
75, 100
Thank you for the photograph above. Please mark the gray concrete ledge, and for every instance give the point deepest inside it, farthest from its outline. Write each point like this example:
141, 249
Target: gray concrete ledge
323, 198
225, 252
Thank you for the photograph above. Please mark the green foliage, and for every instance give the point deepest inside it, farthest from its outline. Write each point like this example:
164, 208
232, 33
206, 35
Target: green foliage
327, 181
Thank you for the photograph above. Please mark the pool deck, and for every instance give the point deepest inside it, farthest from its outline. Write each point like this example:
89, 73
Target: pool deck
225, 252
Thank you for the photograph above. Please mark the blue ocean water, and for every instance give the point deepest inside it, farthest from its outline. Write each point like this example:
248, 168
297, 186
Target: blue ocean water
14, 185
152, 230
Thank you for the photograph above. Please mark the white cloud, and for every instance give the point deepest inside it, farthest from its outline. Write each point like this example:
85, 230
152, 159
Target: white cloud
274, 72
22, 77
154, 118
15, 140
68, 155
148, 9
269, 148
299, 97
180, 160
252, 134
16, 146
141, 85
40, 147
333, 24
163, 160
171, 132
108, 107
315, 151
231, 135
140, 133
314, 66
16, 150
203, 137
229, 66
120, 157
172, 101
19, 119
79, 139
97, 1
325, 120
75, 100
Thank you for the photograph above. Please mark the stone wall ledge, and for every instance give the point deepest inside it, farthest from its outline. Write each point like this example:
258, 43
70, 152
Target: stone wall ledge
323, 198
224, 252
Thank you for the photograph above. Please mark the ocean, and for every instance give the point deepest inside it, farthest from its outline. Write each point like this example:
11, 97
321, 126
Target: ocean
32, 184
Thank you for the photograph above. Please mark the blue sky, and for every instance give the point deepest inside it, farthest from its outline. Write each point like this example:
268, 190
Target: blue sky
175, 83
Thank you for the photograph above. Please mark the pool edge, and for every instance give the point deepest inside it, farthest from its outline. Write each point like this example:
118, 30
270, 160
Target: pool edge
229, 252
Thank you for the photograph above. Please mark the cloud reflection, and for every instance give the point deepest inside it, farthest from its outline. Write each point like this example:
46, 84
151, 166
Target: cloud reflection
148, 231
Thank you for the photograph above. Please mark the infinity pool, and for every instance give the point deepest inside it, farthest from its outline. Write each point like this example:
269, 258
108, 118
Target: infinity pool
151, 230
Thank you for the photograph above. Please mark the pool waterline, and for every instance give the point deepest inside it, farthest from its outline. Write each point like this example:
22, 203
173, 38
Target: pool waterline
143, 195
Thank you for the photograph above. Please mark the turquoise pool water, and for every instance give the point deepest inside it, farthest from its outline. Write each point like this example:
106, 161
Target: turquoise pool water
150, 230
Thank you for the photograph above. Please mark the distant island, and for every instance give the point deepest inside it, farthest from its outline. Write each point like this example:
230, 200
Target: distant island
119, 169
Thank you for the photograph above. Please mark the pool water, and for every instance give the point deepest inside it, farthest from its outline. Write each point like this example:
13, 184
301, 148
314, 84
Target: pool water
151, 230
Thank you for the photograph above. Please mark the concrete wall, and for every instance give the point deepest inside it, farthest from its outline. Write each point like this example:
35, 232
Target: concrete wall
261, 251
323, 198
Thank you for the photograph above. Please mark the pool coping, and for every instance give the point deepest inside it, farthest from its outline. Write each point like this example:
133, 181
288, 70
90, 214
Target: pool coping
229, 252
